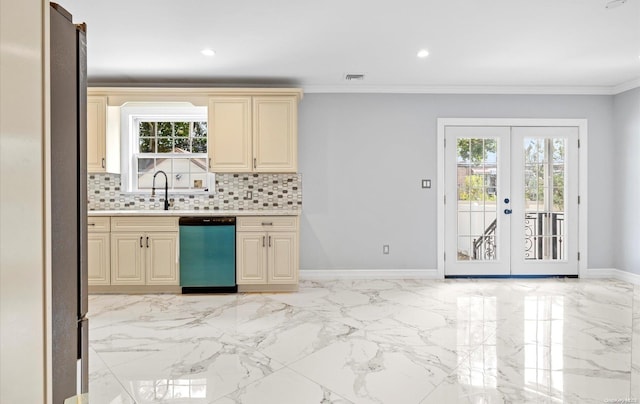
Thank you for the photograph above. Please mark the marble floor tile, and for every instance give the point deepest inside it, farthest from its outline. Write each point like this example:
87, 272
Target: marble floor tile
283, 387
104, 386
372, 341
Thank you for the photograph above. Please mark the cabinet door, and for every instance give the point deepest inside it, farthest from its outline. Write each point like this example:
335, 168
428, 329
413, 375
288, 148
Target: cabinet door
127, 260
275, 135
98, 253
96, 133
283, 257
162, 258
251, 258
229, 134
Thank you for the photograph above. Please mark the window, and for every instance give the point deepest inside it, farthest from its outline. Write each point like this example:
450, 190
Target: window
168, 137
179, 148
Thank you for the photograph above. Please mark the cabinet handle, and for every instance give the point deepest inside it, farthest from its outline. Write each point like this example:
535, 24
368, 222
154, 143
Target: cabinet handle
140, 241
254, 163
92, 224
147, 242
209, 163
267, 223
263, 241
103, 163
269, 241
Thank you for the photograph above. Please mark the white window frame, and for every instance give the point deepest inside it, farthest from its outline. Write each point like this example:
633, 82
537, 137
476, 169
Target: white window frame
131, 115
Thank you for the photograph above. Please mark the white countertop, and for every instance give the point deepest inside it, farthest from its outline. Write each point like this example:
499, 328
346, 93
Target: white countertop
184, 213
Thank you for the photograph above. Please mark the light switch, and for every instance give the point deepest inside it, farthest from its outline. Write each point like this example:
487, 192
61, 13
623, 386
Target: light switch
426, 183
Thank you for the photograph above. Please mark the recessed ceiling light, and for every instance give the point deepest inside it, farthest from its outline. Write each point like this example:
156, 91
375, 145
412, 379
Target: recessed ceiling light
615, 3
208, 52
423, 53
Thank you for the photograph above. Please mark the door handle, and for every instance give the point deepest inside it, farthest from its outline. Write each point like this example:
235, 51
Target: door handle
103, 163
506, 200
263, 240
269, 241
147, 242
255, 163
507, 211
140, 241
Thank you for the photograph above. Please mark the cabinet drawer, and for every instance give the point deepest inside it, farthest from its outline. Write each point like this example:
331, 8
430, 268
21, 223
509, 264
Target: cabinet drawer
98, 224
267, 223
144, 224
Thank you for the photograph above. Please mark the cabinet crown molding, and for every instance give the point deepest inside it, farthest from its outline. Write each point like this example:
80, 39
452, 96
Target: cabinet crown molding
117, 96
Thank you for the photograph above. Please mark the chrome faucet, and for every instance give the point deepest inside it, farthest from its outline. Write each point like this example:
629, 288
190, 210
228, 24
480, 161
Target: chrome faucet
166, 188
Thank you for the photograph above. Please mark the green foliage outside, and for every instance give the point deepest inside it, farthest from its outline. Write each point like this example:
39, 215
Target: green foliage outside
475, 150
474, 189
537, 164
173, 137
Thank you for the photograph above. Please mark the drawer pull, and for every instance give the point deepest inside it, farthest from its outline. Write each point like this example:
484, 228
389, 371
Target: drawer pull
92, 224
267, 223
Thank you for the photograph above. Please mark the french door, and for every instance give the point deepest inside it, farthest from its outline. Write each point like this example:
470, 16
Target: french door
511, 200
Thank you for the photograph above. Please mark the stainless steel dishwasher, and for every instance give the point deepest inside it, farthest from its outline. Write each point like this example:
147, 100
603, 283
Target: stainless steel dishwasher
208, 254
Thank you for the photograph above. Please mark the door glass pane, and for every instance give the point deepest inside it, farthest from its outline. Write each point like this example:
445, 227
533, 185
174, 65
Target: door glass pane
544, 188
477, 183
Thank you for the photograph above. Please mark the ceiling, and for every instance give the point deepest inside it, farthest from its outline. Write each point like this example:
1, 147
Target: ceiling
550, 46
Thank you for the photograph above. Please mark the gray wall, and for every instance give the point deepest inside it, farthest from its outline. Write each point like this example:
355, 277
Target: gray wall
627, 175
362, 157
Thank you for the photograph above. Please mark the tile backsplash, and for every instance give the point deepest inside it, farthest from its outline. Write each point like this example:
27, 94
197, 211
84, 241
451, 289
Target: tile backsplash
233, 192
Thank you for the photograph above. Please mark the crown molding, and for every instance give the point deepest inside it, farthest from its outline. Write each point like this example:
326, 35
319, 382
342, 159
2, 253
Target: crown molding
528, 90
629, 85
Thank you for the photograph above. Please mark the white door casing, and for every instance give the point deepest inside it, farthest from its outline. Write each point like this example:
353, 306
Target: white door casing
557, 249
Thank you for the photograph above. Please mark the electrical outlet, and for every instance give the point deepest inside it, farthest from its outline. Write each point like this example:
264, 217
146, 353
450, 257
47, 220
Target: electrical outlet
385, 249
426, 183
249, 195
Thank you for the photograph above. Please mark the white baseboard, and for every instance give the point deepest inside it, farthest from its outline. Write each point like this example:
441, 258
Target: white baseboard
328, 274
610, 273
627, 276
598, 273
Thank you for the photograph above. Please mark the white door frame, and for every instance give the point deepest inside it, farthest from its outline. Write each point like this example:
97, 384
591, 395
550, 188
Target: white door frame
581, 124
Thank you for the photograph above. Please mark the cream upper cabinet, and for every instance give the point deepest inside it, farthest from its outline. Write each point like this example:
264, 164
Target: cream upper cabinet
275, 134
253, 133
96, 133
229, 128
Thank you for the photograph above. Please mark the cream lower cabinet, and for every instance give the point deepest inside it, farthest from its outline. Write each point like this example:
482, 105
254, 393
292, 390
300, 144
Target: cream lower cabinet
98, 251
267, 250
140, 256
144, 258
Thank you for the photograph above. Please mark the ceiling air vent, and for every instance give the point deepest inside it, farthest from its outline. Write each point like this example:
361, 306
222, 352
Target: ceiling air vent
354, 76
615, 3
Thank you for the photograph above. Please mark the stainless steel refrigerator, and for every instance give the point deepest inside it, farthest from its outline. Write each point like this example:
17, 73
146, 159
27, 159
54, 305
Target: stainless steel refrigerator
68, 205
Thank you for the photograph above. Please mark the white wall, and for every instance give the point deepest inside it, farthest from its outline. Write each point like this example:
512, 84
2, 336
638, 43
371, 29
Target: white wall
362, 157
22, 259
627, 178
